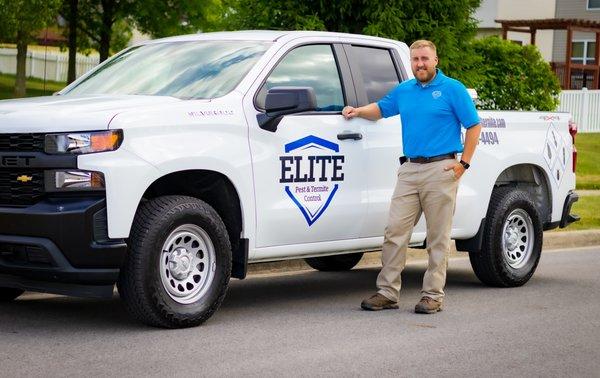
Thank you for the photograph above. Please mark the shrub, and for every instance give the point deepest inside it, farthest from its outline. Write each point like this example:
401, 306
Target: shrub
511, 77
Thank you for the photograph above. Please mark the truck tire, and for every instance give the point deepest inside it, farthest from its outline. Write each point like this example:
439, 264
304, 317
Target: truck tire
512, 241
334, 263
178, 266
7, 294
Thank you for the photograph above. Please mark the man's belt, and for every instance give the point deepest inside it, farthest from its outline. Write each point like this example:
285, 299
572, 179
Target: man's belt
431, 159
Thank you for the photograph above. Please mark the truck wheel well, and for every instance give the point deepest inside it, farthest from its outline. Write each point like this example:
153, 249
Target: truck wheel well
532, 179
526, 177
211, 187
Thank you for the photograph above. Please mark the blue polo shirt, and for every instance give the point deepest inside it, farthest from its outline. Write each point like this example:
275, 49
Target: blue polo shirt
431, 114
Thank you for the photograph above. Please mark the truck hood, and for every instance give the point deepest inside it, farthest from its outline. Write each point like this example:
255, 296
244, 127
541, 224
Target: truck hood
71, 113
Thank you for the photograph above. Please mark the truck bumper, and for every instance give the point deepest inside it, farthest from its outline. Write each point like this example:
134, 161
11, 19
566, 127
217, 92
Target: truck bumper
59, 245
568, 218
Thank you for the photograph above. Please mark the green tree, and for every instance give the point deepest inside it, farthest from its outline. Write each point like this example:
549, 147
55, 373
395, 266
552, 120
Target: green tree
448, 23
21, 20
106, 25
513, 77
81, 38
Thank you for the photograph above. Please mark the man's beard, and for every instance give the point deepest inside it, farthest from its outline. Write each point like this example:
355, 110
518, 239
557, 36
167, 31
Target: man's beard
428, 77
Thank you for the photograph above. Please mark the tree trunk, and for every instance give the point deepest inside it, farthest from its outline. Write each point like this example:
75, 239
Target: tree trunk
72, 72
104, 45
106, 30
21, 80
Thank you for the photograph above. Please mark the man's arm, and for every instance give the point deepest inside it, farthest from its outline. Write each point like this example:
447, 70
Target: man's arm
471, 140
370, 112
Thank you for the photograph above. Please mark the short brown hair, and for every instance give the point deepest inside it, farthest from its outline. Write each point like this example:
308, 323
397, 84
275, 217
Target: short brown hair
423, 43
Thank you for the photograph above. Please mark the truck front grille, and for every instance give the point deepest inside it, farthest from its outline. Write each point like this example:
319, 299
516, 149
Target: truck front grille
22, 142
21, 187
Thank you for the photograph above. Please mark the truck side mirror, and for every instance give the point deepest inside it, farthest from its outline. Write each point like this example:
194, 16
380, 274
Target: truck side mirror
281, 101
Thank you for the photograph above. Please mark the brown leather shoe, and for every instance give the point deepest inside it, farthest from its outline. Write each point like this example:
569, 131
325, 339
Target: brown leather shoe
428, 305
378, 302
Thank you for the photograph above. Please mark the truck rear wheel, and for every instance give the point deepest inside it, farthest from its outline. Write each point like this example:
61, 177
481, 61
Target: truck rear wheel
178, 265
334, 263
512, 241
7, 294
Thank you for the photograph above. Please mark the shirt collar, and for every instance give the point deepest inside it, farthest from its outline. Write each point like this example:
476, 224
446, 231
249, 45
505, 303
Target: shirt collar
437, 80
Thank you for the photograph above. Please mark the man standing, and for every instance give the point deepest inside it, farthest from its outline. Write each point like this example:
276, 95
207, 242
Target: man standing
432, 108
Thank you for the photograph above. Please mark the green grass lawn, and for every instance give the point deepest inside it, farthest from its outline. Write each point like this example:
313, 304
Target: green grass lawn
35, 87
588, 208
588, 160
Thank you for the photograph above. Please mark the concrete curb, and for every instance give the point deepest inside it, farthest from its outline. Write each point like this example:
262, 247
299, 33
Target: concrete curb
552, 240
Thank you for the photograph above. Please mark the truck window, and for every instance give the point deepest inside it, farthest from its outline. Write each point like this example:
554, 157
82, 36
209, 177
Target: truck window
308, 66
378, 72
192, 69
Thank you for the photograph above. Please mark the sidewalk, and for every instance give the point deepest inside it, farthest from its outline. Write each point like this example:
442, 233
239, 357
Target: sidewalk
584, 193
552, 240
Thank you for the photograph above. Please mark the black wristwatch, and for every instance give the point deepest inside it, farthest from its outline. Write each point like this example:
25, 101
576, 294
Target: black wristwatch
465, 164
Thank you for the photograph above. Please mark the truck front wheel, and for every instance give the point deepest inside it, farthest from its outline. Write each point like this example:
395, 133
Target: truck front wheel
7, 294
178, 265
334, 263
512, 241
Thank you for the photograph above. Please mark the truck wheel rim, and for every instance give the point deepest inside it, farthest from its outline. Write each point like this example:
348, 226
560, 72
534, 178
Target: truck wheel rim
517, 240
187, 264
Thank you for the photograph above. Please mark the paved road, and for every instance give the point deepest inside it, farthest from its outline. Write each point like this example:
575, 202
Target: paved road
310, 324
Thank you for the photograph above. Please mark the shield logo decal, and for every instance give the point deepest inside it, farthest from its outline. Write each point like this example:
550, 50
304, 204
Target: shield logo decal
312, 170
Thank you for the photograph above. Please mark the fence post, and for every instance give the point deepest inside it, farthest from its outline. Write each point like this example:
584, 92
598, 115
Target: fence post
585, 106
57, 60
31, 64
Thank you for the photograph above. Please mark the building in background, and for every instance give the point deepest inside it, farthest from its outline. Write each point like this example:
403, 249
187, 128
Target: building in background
566, 32
492, 10
584, 43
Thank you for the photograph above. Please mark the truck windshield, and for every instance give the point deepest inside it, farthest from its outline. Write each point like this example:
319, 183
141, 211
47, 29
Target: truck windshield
198, 69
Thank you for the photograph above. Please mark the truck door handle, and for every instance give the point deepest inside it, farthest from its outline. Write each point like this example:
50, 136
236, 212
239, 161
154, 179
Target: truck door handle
354, 136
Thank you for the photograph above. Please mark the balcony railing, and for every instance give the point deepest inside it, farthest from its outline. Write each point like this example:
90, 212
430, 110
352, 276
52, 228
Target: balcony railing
582, 75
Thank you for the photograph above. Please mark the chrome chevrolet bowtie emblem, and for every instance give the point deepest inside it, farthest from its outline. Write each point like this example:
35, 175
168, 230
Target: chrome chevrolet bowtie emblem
24, 178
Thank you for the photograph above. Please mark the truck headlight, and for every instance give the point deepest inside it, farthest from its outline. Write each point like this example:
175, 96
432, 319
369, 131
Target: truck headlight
83, 143
74, 180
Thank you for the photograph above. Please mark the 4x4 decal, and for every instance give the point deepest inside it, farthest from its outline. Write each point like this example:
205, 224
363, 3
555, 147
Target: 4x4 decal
312, 167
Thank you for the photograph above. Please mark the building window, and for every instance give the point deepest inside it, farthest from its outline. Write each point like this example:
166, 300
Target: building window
583, 52
593, 4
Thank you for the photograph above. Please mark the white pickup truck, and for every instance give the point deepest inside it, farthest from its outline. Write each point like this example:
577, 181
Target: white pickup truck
176, 163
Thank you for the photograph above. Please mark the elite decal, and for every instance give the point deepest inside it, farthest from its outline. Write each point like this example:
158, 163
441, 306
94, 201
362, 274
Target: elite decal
312, 169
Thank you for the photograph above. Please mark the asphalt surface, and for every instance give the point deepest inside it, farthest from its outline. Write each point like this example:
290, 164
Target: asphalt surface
310, 323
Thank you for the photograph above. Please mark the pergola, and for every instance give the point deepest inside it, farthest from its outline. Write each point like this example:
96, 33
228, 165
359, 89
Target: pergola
563, 70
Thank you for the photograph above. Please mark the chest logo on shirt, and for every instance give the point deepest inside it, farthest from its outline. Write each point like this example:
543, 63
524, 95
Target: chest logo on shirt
311, 168
436, 94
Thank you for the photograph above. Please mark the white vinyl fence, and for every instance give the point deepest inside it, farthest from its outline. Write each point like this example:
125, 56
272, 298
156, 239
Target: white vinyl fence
584, 106
51, 66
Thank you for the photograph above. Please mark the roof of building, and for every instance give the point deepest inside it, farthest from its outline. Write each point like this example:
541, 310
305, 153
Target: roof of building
552, 23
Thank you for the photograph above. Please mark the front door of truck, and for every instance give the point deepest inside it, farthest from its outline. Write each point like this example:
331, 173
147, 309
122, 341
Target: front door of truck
308, 174
377, 70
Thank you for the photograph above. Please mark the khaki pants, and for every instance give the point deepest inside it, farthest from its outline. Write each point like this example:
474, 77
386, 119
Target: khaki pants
421, 188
